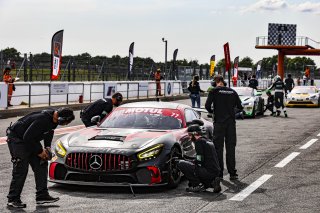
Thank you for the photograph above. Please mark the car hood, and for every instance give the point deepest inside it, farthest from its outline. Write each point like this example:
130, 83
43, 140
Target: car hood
245, 99
302, 95
116, 138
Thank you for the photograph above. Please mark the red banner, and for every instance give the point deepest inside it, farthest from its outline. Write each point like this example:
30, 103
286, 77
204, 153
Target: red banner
56, 54
227, 56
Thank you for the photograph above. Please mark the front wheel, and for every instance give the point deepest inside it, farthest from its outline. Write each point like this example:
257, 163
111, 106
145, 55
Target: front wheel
174, 174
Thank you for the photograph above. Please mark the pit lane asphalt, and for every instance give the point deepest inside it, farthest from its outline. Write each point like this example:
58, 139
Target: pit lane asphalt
262, 143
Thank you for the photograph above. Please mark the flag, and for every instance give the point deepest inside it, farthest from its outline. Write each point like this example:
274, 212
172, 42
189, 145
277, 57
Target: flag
212, 64
227, 56
130, 64
56, 54
174, 72
235, 67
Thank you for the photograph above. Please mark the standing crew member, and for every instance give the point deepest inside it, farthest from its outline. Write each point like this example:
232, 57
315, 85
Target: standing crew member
224, 101
158, 77
270, 103
253, 82
194, 89
289, 83
24, 138
204, 171
7, 78
100, 107
280, 89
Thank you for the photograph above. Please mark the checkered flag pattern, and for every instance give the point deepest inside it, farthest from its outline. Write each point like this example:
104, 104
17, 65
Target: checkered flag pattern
282, 34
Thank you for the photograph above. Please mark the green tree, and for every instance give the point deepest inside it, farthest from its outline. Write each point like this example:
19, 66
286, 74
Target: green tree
11, 54
246, 62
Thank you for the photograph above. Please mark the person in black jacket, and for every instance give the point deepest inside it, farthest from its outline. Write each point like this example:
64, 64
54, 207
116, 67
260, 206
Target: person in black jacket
204, 172
23, 139
253, 82
224, 101
270, 103
194, 89
289, 83
100, 107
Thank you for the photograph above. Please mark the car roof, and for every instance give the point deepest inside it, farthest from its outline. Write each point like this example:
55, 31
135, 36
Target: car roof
155, 104
300, 87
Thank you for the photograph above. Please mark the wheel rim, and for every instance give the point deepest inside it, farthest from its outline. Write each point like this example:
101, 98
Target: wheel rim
174, 171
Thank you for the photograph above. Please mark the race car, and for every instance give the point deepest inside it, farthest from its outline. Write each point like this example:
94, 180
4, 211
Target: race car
137, 144
251, 100
304, 96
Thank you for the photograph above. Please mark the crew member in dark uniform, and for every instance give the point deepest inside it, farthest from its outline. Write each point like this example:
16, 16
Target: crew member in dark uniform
204, 172
280, 89
224, 101
289, 83
253, 82
23, 140
100, 107
270, 103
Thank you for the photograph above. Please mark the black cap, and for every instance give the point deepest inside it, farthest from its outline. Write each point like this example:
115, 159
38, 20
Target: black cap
194, 128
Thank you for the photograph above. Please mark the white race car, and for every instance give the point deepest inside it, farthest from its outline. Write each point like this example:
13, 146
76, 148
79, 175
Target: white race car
251, 100
304, 96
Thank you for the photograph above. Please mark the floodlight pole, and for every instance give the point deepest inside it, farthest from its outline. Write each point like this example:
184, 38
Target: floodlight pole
165, 59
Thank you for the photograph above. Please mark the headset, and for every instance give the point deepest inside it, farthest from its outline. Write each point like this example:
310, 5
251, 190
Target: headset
118, 97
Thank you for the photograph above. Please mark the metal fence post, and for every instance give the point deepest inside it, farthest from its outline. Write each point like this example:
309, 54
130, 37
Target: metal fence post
127, 91
138, 90
90, 91
49, 94
68, 94
25, 63
29, 95
148, 91
31, 67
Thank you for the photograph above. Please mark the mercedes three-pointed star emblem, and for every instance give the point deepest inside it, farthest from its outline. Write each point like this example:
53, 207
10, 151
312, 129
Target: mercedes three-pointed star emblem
95, 162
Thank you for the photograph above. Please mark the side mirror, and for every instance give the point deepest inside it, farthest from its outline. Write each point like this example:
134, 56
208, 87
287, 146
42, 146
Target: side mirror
95, 119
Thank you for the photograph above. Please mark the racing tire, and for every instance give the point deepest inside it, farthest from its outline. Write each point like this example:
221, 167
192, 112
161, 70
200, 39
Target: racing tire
253, 115
174, 174
261, 105
319, 103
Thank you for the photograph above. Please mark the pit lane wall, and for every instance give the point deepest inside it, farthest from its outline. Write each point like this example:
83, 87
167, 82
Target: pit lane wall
50, 93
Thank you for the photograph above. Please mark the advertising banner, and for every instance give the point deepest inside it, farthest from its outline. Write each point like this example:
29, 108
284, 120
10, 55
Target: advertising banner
212, 64
109, 89
3, 95
130, 64
56, 54
59, 88
169, 88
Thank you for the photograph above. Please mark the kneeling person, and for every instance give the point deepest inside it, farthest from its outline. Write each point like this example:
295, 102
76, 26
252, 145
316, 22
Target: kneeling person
204, 172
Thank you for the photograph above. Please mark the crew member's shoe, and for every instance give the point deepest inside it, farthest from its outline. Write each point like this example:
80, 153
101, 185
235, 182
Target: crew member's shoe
46, 199
216, 185
16, 204
234, 177
285, 114
278, 113
198, 188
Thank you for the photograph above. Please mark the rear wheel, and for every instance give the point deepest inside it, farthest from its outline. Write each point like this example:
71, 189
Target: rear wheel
253, 115
174, 174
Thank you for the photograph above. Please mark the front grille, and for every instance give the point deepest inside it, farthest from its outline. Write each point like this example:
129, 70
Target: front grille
101, 178
300, 102
100, 162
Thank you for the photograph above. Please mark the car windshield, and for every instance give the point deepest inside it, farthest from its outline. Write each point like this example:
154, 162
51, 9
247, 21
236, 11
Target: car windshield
243, 91
298, 90
143, 118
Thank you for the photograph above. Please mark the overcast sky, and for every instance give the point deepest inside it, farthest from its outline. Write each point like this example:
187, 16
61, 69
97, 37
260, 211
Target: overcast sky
198, 28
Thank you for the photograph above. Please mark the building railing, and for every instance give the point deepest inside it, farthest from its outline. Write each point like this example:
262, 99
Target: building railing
300, 41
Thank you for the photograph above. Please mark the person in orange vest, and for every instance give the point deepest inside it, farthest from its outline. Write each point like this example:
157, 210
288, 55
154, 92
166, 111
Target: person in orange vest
234, 80
7, 78
158, 77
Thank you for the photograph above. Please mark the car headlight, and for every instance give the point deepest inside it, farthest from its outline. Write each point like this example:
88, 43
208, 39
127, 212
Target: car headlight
60, 150
314, 97
247, 104
150, 153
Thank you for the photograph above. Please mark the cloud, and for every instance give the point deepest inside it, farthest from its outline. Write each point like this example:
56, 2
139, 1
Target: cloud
265, 5
307, 7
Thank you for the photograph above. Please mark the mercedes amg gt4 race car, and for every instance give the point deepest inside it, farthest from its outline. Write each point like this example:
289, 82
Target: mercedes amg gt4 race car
137, 144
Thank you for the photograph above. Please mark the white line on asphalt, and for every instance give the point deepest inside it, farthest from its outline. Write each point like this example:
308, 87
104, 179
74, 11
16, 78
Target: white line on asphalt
318, 135
309, 143
251, 188
287, 159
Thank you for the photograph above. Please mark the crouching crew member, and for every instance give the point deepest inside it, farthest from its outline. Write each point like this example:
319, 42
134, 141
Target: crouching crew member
204, 172
23, 140
270, 103
100, 107
279, 90
224, 101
